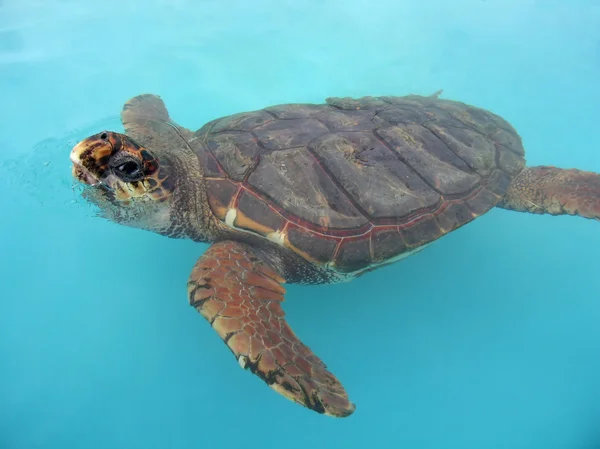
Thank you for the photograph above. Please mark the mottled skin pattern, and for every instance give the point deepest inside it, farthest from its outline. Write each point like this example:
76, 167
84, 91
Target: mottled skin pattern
311, 194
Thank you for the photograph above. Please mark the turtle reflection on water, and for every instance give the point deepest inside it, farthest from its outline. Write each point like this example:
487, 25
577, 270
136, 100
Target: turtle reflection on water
312, 193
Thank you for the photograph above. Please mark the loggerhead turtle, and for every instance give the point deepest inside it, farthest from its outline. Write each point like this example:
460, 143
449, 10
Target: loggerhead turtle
311, 193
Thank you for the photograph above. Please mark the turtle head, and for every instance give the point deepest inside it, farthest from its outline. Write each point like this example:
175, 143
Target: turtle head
126, 181
124, 170
148, 177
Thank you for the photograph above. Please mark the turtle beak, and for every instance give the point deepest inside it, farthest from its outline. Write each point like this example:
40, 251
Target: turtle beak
82, 175
89, 158
79, 172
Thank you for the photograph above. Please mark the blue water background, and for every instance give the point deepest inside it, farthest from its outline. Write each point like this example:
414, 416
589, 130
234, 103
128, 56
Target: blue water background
488, 339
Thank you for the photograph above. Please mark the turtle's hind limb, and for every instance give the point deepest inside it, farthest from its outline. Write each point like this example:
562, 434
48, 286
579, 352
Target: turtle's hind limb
555, 191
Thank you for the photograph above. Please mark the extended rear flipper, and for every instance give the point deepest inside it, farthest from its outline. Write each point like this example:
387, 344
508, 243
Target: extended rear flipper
555, 191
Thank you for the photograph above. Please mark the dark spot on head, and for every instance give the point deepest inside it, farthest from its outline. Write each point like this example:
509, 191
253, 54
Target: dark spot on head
103, 136
152, 182
89, 150
159, 193
168, 183
146, 155
151, 167
103, 161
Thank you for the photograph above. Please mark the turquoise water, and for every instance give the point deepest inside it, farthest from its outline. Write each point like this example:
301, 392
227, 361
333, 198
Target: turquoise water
490, 338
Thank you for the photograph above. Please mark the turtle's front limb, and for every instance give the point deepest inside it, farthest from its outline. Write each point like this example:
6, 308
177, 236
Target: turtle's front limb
241, 295
555, 191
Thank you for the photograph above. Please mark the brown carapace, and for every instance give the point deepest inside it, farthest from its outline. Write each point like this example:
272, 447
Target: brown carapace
312, 193
355, 183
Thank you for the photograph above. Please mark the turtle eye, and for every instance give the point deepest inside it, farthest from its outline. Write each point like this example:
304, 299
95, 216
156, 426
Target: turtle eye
128, 169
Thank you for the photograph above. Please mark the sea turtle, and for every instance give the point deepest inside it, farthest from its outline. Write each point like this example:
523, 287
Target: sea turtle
311, 193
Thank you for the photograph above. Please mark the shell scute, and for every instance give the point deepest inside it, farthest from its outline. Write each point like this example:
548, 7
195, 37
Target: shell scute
318, 247
259, 211
453, 216
430, 159
237, 152
380, 183
244, 121
386, 243
353, 255
298, 185
283, 134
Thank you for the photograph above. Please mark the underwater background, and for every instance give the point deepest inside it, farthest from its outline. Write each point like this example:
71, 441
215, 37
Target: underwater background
490, 338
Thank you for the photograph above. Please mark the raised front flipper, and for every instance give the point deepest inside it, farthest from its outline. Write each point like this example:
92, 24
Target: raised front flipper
146, 120
240, 295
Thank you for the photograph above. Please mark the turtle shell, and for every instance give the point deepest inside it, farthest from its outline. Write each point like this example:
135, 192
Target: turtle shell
356, 183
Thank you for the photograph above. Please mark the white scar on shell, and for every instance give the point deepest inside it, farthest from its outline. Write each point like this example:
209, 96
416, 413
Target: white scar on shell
230, 217
277, 237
